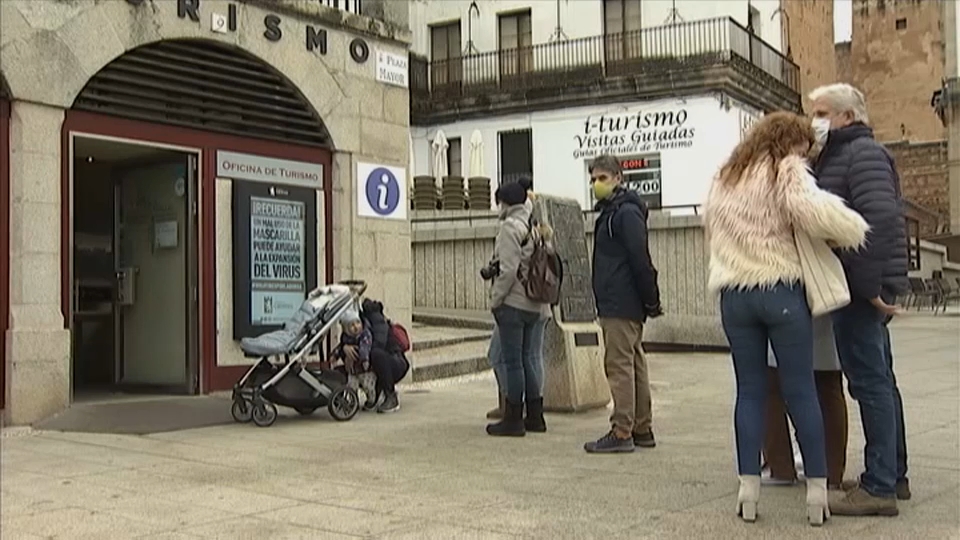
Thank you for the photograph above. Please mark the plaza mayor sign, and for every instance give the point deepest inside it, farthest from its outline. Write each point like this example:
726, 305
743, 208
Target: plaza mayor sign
634, 133
315, 39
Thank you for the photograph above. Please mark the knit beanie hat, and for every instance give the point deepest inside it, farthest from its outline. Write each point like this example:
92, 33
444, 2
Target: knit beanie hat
349, 317
511, 194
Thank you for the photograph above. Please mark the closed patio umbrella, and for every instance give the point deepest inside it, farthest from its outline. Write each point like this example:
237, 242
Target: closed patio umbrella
440, 165
476, 154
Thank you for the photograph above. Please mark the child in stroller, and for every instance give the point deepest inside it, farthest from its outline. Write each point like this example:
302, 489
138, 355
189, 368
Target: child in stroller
353, 353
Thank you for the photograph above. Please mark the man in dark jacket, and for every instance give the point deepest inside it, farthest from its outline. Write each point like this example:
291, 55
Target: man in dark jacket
855, 167
625, 287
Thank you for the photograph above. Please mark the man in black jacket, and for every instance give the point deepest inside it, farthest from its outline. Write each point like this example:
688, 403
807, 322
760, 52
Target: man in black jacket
855, 167
625, 287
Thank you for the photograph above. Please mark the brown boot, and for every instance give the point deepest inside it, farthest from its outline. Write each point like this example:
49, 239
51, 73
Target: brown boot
857, 502
496, 414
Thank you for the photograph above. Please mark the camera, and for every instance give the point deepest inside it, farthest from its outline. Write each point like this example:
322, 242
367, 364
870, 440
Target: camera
490, 271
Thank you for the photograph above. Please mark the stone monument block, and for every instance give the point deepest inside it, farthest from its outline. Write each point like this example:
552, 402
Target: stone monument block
574, 378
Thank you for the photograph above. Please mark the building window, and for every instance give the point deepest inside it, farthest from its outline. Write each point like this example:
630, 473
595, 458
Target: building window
901, 24
351, 6
621, 28
516, 155
446, 63
454, 157
515, 43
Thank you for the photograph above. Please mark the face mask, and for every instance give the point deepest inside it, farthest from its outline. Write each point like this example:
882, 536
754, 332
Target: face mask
602, 190
821, 128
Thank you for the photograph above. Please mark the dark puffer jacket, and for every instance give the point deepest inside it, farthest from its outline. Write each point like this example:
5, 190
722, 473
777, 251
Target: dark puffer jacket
857, 168
624, 278
379, 326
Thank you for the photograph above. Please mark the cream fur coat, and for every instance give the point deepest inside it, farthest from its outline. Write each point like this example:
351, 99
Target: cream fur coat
750, 225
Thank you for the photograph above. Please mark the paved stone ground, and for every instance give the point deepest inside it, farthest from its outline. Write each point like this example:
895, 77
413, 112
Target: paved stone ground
429, 472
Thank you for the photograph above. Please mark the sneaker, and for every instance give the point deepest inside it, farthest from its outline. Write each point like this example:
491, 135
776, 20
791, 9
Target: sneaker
391, 403
373, 400
903, 488
610, 444
857, 502
644, 440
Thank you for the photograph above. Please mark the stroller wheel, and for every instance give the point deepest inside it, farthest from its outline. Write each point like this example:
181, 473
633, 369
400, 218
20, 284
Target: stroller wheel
264, 414
344, 404
242, 411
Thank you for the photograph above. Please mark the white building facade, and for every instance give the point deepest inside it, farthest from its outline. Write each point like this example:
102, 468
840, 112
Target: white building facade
550, 85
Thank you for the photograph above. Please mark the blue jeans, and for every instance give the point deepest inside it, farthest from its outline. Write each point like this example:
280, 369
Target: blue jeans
780, 316
516, 329
859, 329
897, 408
533, 373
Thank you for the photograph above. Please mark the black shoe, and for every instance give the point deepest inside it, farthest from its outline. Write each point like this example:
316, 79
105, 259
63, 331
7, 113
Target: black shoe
534, 421
903, 489
512, 423
391, 403
644, 440
373, 402
609, 444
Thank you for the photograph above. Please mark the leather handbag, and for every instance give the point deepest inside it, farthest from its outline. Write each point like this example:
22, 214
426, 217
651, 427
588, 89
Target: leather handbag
823, 276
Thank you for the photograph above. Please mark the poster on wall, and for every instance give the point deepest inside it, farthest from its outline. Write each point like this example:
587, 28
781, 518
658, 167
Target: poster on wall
277, 269
641, 131
274, 254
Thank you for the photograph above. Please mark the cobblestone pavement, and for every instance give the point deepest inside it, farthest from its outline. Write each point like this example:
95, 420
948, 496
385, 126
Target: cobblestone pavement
430, 471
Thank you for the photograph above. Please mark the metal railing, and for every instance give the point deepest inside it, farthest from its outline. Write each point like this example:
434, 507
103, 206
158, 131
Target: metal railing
683, 46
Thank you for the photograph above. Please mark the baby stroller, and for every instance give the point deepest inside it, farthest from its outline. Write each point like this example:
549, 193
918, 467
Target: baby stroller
289, 382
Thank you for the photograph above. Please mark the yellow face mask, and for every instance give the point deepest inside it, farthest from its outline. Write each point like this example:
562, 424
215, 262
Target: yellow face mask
602, 190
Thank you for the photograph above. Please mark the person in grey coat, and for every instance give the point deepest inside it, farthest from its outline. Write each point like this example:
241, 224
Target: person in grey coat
854, 166
777, 446
517, 316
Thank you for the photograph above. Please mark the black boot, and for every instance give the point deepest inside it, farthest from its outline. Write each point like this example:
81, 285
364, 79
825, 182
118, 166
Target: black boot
534, 420
512, 423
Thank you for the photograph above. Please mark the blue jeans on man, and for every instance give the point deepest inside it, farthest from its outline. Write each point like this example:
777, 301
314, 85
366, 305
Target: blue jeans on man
866, 361
898, 412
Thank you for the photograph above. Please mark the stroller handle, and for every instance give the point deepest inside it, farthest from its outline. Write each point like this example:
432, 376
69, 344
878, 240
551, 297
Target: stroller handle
358, 286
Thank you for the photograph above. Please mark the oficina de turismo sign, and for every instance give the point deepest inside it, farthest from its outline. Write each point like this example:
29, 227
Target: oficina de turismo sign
315, 39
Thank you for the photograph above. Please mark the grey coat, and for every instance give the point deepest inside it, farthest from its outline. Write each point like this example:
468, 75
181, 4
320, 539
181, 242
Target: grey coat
824, 346
514, 256
855, 167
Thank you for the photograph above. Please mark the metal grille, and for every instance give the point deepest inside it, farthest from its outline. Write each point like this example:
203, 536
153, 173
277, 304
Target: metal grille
203, 85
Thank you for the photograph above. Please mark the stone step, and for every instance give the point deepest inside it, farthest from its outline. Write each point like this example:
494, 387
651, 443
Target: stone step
446, 361
427, 337
477, 320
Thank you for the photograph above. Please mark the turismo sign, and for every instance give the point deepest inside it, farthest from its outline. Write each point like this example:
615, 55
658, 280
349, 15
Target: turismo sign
632, 133
315, 39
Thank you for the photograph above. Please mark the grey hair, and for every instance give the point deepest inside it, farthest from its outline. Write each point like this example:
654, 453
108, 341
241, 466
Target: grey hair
843, 98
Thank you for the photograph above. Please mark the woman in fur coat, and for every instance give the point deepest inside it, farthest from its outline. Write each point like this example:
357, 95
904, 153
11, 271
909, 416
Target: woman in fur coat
760, 196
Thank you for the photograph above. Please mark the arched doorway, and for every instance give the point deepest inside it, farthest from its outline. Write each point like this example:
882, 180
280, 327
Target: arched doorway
4, 234
170, 134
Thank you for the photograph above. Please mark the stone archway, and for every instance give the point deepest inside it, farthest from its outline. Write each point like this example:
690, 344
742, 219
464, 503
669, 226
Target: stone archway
204, 85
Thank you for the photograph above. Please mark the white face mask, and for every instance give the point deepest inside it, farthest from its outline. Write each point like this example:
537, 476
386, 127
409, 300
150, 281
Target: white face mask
821, 128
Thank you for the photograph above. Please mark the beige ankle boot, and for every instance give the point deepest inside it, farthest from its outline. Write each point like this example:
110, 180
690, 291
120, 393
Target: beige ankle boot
818, 508
748, 498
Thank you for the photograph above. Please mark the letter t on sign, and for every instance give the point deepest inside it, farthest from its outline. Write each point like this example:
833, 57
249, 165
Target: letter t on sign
189, 7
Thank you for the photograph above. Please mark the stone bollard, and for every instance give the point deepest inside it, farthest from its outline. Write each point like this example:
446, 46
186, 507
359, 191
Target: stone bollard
574, 378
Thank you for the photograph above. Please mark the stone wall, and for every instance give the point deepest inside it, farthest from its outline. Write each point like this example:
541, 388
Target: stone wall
450, 248
898, 69
810, 28
924, 178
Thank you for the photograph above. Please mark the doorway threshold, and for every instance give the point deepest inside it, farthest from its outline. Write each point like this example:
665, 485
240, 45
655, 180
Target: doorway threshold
141, 414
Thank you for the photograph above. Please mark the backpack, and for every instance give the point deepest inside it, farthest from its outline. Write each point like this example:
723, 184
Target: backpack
399, 337
544, 270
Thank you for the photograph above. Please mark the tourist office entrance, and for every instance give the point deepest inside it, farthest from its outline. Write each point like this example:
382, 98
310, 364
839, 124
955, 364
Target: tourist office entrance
157, 230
